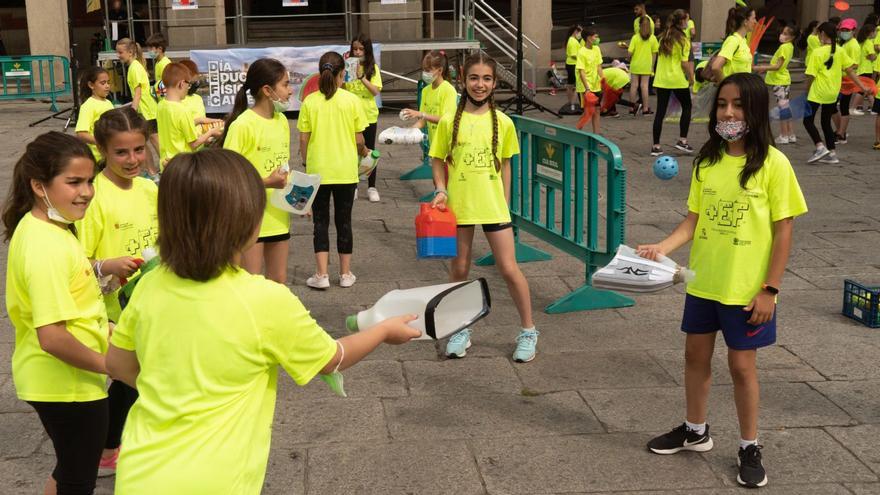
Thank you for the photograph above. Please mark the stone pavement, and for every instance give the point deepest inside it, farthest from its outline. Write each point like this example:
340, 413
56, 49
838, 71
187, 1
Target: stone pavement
576, 419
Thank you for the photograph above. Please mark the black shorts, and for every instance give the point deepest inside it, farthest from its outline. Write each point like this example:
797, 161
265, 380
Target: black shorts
489, 227
275, 238
569, 69
153, 126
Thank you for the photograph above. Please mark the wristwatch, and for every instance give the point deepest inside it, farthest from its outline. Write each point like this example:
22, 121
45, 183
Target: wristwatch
770, 289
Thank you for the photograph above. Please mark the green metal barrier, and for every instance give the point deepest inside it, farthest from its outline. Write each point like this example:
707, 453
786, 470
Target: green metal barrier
560, 162
34, 77
423, 170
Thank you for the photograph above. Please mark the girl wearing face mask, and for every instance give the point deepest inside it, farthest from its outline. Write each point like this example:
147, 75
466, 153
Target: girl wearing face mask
94, 86
849, 45
867, 57
574, 43
262, 135
55, 306
743, 199
735, 54
438, 96
779, 80
119, 224
367, 87
331, 141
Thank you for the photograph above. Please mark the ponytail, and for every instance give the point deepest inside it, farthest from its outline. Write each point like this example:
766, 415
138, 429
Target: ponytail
134, 48
673, 35
329, 66
645, 27
263, 72
736, 17
829, 29
436, 59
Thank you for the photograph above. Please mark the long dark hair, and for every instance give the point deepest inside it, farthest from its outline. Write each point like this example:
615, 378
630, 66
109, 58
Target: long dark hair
89, 76
329, 66
829, 29
755, 102
44, 158
572, 29
472, 60
736, 17
263, 72
802, 41
645, 27
369, 63
864, 32
673, 35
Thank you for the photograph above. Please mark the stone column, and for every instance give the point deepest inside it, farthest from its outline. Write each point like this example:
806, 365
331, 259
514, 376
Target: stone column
201, 27
47, 27
710, 16
537, 25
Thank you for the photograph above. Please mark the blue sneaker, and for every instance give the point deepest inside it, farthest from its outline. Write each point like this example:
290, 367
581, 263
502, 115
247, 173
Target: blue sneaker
525, 346
458, 344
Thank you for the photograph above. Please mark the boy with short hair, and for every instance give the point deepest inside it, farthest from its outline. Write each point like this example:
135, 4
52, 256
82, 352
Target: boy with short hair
177, 129
157, 43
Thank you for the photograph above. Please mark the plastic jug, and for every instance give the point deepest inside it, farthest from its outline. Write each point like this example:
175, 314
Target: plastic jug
402, 135
436, 233
151, 261
368, 163
630, 272
442, 309
299, 193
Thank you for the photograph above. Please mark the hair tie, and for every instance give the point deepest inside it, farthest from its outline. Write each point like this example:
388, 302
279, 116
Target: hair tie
327, 67
443, 52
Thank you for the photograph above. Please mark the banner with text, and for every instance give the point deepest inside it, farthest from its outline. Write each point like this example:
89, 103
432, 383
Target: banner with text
225, 71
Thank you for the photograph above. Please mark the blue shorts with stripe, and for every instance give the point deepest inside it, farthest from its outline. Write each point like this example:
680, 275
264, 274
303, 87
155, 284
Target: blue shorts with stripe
707, 316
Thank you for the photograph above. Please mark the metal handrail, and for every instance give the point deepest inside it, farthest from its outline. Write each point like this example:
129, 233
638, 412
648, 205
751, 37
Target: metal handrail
499, 19
498, 43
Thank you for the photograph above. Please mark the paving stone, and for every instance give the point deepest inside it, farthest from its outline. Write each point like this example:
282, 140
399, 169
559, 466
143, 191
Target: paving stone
20, 434
21, 475
859, 398
599, 369
9, 402
864, 488
372, 378
584, 463
411, 467
841, 361
771, 489
476, 416
285, 473
797, 455
861, 440
469, 376
775, 364
325, 421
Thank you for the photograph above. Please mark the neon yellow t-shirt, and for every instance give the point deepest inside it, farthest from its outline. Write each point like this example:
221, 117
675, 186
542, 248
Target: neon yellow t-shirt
826, 82
641, 52
138, 78
49, 280
119, 222
196, 106
738, 54
670, 74
89, 113
357, 88
733, 239
438, 102
476, 191
866, 65
209, 354
571, 50
687, 32
780, 77
853, 50
177, 129
877, 50
588, 60
333, 125
813, 42
159, 68
266, 144
616, 78
697, 84
638, 20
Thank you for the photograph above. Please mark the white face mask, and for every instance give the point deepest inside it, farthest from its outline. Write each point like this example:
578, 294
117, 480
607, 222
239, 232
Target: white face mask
53, 212
280, 106
427, 77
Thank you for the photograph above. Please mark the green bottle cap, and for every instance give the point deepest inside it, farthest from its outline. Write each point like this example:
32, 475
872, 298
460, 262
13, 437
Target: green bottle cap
351, 323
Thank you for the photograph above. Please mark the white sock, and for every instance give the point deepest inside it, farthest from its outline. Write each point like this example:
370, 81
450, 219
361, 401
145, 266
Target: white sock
698, 428
745, 443
532, 329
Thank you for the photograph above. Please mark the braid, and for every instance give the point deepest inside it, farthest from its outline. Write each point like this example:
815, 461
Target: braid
458, 111
494, 134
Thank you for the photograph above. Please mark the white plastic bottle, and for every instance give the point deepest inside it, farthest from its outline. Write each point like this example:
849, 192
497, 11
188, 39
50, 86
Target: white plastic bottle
442, 309
368, 163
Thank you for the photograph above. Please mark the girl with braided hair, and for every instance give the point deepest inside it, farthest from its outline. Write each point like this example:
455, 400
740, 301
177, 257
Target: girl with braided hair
476, 143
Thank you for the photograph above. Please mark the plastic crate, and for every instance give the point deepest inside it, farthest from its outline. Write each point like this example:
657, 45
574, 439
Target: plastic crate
861, 303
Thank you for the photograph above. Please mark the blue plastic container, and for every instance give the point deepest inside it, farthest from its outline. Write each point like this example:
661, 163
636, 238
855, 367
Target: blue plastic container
436, 247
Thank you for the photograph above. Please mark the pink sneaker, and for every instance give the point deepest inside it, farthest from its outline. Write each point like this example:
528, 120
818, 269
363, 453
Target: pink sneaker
107, 466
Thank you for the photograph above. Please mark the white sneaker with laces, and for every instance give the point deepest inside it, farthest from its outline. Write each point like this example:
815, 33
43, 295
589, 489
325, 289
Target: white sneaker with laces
319, 281
856, 111
346, 280
792, 139
373, 195
820, 153
782, 140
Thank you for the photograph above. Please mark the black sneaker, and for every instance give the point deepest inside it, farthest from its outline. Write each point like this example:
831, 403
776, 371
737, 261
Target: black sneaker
680, 146
840, 139
656, 150
751, 470
681, 438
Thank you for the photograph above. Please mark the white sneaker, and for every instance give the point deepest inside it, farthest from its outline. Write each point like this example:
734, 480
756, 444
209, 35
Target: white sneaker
373, 195
820, 153
782, 140
831, 157
856, 111
319, 281
792, 139
346, 280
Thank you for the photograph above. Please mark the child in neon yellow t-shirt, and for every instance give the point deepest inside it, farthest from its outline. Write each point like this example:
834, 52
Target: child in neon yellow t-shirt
743, 199
331, 142
54, 305
779, 80
674, 76
367, 87
477, 143
94, 86
262, 135
735, 55
142, 101
438, 97
177, 128
157, 43
643, 54
118, 226
203, 340
589, 73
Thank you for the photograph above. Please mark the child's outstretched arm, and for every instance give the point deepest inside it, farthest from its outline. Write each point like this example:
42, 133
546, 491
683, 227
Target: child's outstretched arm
392, 331
678, 238
764, 303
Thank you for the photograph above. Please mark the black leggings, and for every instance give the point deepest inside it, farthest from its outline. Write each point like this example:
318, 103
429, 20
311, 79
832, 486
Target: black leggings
120, 398
370, 142
343, 200
828, 109
683, 96
844, 104
77, 431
